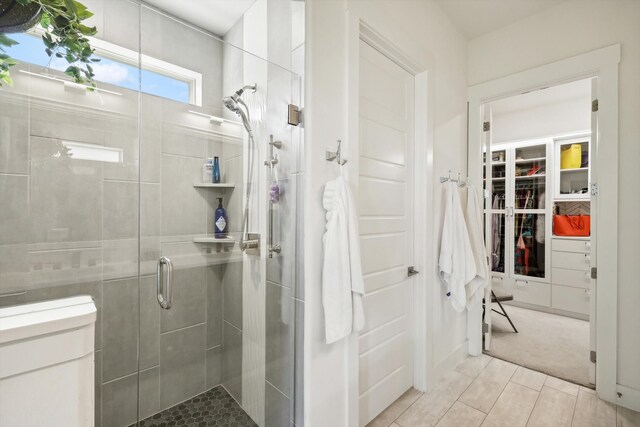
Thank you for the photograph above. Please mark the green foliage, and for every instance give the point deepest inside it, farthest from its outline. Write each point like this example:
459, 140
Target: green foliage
65, 37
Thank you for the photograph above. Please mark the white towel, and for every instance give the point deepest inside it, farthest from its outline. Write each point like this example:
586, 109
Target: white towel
456, 263
473, 215
342, 281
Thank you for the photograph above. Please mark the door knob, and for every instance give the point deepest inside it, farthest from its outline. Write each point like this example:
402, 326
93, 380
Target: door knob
412, 271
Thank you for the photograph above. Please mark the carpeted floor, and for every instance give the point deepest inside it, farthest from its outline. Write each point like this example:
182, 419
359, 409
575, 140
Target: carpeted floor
555, 345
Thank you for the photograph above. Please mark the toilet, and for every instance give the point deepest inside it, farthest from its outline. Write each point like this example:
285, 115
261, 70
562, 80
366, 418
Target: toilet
47, 363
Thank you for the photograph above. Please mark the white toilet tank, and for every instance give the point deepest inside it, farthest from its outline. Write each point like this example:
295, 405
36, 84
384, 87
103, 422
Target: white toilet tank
46, 364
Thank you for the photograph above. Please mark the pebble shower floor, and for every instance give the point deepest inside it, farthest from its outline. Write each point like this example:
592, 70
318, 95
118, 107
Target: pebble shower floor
215, 407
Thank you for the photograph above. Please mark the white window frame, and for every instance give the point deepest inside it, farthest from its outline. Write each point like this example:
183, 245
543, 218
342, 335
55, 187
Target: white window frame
145, 62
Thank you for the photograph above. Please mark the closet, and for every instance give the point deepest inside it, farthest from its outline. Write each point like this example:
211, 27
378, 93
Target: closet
526, 186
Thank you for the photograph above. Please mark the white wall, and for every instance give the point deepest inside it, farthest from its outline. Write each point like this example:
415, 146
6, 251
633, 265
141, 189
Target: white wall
572, 28
556, 118
423, 32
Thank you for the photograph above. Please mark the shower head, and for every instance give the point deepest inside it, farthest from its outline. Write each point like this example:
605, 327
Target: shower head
235, 103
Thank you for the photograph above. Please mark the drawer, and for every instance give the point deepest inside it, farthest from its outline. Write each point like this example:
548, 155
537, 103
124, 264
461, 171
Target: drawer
570, 299
567, 245
577, 278
570, 260
532, 293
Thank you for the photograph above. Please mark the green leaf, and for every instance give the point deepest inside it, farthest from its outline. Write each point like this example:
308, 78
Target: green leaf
6, 78
7, 41
45, 21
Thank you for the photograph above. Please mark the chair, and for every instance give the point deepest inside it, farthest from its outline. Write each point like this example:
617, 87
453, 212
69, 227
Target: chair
495, 298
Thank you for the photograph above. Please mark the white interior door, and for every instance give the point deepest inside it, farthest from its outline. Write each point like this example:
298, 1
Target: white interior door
386, 106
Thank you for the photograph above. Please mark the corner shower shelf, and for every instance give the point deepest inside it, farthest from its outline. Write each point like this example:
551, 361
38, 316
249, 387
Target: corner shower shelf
211, 239
221, 185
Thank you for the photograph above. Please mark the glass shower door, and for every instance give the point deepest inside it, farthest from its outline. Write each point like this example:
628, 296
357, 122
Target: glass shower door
223, 349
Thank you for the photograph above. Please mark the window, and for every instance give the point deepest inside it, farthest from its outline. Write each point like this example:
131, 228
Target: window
119, 66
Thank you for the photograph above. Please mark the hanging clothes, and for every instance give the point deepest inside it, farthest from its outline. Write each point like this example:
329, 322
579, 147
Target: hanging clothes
456, 264
473, 217
342, 281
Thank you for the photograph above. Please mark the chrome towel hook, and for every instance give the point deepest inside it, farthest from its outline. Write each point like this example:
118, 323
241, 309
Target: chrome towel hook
336, 155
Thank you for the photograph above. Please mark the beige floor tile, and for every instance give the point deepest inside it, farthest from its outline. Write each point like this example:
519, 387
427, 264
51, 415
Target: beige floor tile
487, 387
432, 406
554, 408
528, 378
462, 415
394, 425
588, 390
562, 385
389, 415
512, 408
472, 366
627, 418
591, 411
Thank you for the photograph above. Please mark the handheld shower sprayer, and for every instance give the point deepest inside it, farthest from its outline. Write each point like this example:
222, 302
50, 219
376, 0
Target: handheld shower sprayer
235, 104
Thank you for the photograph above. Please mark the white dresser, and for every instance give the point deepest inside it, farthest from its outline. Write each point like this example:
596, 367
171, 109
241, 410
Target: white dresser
571, 274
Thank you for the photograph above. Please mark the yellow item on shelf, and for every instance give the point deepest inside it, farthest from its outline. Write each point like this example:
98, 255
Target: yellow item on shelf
571, 156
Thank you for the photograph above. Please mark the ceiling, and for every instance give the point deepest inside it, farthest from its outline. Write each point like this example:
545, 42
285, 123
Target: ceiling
580, 89
217, 16
477, 17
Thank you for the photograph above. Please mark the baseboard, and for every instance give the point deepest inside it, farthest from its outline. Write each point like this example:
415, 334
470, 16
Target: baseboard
548, 310
448, 364
628, 397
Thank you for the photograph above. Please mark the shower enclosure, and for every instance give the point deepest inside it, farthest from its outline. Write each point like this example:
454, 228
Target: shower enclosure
102, 194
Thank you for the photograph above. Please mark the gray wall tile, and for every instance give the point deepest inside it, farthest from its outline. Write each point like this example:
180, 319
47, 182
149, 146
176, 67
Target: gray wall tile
120, 402
232, 290
279, 337
15, 224
182, 368
150, 209
149, 392
14, 267
14, 134
120, 216
65, 194
122, 133
277, 407
214, 305
214, 367
120, 331
183, 207
149, 323
189, 299
232, 361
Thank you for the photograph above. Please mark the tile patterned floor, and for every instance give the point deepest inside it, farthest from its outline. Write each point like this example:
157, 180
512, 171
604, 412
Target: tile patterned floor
215, 407
487, 392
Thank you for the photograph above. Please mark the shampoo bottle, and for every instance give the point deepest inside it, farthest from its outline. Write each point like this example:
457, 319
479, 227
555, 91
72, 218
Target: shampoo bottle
207, 171
216, 170
220, 222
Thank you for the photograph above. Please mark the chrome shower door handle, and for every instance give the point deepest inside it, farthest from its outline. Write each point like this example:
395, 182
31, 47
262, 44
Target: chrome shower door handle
165, 283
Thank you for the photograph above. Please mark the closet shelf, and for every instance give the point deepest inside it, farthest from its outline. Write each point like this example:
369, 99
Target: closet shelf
220, 185
585, 169
535, 159
542, 175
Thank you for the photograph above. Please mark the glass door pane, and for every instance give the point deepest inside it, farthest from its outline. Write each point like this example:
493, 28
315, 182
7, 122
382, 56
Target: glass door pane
529, 246
529, 201
497, 207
